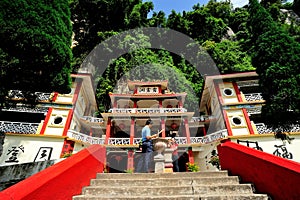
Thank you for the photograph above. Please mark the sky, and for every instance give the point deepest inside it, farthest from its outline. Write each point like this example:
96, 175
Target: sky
180, 5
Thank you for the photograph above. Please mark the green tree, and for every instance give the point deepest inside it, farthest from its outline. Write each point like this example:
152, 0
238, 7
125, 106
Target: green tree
93, 18
36, 45
229, 56
203, 26
276, 57
178, 22
158, 19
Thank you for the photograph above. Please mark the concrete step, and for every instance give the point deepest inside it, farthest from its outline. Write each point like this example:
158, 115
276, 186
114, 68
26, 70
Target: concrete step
171, 181
210, 185
165, 189
162, 175
179, 197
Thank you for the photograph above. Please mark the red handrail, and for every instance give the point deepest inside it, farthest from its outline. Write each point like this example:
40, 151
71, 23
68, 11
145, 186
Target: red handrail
272, 175
62, 180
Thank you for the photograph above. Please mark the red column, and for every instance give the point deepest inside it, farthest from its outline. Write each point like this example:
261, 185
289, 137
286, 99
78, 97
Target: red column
191, 156
160, 103
237, 91
248, 121
217, 88
227, 123
204, 131
54, 97
163, 126
108, 129
68, 122
159, 90
46, 121
187, 130
131, 131
130, 159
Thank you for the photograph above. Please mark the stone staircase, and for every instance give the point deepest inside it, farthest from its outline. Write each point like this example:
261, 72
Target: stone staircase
215, 185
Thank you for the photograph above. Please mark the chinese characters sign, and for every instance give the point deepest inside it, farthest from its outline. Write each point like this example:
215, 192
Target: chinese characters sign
43, 154
147, 90
13, 154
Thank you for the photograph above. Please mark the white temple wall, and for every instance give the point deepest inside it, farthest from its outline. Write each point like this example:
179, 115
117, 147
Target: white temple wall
19, 149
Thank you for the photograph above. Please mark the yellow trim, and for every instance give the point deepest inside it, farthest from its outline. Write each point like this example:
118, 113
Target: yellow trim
77, 141
56, 126
37, 135
237, 127
55, 114
244, 103
65, 95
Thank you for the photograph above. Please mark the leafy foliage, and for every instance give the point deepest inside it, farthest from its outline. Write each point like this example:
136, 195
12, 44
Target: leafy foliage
276, 58
36, 40
229, 56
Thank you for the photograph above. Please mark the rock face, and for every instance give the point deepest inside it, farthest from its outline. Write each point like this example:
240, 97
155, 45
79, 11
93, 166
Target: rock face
290, 16
230, 35
12, 174
181, 185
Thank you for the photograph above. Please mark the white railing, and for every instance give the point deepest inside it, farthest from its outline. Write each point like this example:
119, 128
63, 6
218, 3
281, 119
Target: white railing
93, 119
253, 97
18, 127
210, 138
119, 141
85, 138
147, 110
126, 141
201, 118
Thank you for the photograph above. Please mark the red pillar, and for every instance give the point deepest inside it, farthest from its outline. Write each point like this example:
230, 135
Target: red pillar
191, 156
163, 126
130, 159
187, 131
160, 103
227, 123
131, 131
68, 122
248, 121
204, 131
108, 129
49, 113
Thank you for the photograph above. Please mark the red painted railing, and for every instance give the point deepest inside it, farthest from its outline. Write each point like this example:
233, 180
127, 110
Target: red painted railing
62, 180
272, 175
